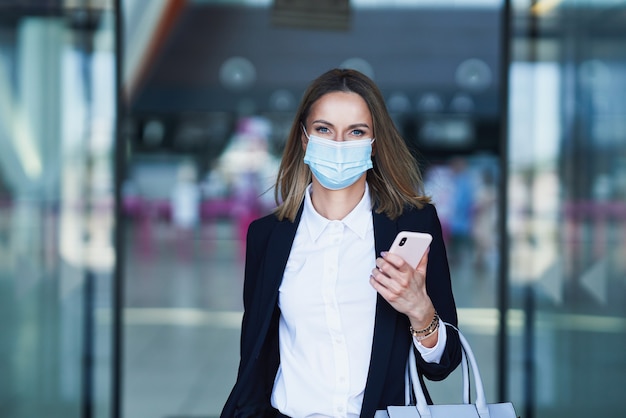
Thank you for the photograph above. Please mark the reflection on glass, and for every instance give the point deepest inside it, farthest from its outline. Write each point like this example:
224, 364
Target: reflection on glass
56, 213
566, 215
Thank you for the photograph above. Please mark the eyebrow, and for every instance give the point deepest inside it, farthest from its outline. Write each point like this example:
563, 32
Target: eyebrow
353, 126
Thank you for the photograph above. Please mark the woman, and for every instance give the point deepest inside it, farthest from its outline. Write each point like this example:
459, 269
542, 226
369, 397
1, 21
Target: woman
327, 324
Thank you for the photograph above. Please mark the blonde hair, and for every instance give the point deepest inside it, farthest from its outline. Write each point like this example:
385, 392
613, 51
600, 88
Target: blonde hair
395, 180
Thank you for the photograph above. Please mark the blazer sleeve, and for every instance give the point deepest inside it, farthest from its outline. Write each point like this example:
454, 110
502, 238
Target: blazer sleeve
439, 288
248, 398
256, 240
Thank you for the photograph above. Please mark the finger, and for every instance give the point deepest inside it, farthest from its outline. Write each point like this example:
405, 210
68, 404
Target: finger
421, 267
385, 267
380, 277
376, 285
387, 279
388, 294
394, 259
390, 278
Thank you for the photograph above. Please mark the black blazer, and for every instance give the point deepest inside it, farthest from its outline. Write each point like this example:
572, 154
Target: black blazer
268, 246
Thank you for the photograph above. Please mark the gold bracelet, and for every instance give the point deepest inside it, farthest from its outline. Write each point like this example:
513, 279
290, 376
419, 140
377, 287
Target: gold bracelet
423, 337
434, 324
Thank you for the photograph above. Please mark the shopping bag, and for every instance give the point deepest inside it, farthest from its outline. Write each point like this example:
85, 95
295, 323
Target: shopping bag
479, 409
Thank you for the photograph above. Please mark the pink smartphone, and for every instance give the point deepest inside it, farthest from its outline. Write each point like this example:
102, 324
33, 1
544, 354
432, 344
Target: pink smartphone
411, 246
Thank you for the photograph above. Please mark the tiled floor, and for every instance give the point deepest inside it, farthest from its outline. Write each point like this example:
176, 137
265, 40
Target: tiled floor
183, 312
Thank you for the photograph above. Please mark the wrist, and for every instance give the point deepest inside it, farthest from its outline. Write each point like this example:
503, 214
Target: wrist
421, 334
429, 340
421, 317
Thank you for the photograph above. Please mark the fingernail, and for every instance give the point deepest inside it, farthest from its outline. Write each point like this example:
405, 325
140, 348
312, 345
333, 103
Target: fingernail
383, 253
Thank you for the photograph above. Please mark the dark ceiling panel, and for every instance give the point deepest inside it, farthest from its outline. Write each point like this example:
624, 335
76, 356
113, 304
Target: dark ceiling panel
412, 50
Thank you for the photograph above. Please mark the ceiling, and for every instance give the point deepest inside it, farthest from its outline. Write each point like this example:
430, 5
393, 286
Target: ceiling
208, 62
409, 52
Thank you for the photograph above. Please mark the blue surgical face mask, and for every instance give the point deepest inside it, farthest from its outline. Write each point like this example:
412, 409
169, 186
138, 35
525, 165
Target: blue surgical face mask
338, 164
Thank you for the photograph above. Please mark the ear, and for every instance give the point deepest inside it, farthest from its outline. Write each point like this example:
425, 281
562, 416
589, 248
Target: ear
304, 141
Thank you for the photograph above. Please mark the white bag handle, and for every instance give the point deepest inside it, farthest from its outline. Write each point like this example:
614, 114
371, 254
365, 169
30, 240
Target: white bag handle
467, 355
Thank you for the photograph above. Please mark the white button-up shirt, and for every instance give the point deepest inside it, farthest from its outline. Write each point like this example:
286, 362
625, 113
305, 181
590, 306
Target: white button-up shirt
327, 315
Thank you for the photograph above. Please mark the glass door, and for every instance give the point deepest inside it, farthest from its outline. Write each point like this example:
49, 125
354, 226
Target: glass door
57, 130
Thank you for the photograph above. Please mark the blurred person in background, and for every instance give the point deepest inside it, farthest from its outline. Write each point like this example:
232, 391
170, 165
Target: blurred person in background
327, 324
185, 202
484, 225
462, 211
250, 170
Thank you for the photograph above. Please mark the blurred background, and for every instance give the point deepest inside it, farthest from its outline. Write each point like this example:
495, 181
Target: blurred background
139, 138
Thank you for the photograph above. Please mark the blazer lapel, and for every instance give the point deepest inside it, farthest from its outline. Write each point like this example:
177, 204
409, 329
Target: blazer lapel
277, 254
385, 231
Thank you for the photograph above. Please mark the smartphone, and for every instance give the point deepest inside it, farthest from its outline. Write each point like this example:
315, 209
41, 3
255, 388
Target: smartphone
411, 246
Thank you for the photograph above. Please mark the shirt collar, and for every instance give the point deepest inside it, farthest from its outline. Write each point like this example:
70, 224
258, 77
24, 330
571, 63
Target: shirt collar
358, 220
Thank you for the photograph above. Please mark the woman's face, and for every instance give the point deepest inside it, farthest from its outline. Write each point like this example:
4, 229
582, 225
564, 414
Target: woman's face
339, 116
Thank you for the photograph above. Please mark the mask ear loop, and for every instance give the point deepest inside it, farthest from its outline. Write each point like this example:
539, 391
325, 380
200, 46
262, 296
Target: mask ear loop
305, 132
306, 135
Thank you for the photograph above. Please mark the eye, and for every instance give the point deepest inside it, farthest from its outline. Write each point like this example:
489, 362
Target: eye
357, 132
322, 130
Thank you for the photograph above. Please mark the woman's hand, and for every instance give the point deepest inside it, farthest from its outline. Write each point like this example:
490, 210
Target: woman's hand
405, 289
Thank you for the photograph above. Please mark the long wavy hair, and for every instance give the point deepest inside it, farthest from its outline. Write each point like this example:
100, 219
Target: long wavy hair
395, 180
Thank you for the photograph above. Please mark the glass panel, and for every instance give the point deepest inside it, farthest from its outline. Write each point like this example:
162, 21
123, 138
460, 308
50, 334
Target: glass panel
56, 210
567, 209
